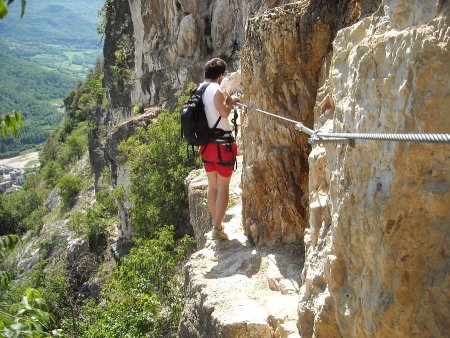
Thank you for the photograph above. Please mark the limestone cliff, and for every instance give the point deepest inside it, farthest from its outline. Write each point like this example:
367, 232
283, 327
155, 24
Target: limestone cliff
373, 217
377, 262
173, 39
280, 65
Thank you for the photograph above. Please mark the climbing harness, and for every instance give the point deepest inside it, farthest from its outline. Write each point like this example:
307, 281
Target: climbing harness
319, 137
220, 137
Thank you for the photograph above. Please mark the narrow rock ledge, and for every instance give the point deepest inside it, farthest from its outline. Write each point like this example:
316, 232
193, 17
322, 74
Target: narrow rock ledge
235, 289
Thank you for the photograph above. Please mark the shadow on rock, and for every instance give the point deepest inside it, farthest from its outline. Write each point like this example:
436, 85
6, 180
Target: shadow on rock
234, 258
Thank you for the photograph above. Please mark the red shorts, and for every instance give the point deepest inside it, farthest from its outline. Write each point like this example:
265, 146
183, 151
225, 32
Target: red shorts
222, 162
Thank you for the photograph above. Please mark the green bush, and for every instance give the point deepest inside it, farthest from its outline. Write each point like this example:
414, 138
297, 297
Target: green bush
74, 146
35, 182
58, 297
143, 298
28, 318
37, 275
138, 109
17, 211
51, 173
89, 95
69, 186
102, 214
159, 165
94, 222
34, 221
77, 142
70, 141
62, 150
50, 148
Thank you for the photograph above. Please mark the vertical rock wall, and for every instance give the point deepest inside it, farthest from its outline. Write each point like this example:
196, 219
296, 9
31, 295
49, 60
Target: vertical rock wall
174, 39
377, 251
118, 54
281, 62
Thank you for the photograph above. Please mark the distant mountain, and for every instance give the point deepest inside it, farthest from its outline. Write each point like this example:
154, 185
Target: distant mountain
43, 55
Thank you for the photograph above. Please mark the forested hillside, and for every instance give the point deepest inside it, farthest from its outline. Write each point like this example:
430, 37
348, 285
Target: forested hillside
58, 22
70, 229
37, 93
43, 54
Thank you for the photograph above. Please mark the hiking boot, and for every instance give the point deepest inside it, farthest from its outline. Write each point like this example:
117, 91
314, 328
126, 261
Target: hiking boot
219, 234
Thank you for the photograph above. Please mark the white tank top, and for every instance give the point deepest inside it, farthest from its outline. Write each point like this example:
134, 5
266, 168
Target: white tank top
212, 114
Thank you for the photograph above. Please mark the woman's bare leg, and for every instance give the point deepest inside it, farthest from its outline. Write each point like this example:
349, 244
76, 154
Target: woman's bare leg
223, 191
212, 192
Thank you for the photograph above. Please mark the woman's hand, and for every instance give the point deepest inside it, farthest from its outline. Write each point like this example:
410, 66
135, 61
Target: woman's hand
233, 99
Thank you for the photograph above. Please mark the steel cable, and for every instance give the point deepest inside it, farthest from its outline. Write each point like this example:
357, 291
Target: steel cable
317, 136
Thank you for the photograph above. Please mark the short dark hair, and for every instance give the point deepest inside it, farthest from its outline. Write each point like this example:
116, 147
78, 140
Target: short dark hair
214, 68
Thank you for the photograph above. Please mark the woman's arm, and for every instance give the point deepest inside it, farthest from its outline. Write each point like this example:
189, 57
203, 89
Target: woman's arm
224, 103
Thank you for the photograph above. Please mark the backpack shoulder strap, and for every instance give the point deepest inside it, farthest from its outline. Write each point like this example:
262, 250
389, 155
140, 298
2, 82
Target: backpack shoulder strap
217, 122
201, 89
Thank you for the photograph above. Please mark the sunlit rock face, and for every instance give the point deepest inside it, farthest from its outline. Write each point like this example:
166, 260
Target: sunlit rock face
374, 216
376, 260
281, 60
174, 39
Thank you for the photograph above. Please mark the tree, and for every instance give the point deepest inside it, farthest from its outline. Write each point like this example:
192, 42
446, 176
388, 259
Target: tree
14, 121
29, 318
7, 243
69, 186
4, 8
11, 123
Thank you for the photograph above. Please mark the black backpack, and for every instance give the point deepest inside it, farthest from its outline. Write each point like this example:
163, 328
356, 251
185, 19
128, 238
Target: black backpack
194, 124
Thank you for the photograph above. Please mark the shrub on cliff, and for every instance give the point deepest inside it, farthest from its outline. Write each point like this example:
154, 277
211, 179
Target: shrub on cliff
29, 318
70, 141
88, 96
143, 298
159, 165
69, 186
18, 211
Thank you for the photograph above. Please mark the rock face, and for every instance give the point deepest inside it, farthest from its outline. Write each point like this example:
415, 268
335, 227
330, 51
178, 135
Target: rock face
173, 39
199, 215
119, 55
376, 262
281, 61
